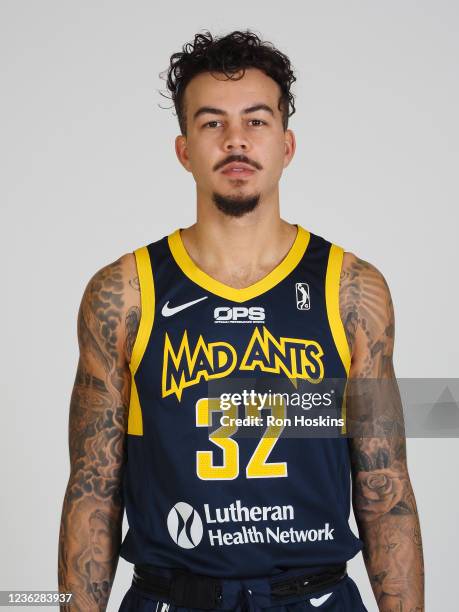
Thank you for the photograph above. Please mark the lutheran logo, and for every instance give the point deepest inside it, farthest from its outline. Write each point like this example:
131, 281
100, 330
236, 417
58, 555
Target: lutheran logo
184, 525
237, 524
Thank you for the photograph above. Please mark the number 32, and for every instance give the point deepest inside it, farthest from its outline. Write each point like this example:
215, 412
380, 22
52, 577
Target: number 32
257, 466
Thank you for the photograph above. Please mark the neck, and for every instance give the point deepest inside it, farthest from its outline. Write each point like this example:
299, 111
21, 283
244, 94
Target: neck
239, 251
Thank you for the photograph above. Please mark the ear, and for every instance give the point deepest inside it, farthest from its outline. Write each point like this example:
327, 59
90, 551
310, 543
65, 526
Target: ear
289, 147
181, 151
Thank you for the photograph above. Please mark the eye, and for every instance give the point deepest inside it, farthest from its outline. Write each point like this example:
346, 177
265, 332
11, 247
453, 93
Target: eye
209, 122
259, 121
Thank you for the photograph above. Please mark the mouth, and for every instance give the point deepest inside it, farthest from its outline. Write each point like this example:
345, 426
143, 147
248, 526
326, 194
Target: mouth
238, 170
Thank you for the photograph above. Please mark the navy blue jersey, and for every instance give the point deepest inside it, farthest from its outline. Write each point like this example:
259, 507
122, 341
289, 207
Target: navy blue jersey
199, 494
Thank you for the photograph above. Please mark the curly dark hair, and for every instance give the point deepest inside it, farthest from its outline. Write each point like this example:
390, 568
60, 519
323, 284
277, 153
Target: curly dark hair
229, 54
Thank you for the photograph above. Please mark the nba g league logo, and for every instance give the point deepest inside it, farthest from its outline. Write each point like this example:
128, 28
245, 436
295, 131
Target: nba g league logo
303, 298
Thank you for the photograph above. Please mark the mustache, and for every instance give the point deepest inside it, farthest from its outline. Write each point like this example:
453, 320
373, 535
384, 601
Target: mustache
238, 158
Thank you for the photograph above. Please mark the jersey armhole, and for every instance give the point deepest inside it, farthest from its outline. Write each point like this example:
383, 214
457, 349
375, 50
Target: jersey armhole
147, 306
332, 284
147, 314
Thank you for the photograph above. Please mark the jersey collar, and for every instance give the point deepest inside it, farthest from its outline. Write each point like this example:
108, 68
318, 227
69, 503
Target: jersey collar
210, 284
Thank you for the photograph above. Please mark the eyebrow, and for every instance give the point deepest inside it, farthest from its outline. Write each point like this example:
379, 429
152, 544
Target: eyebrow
218, 111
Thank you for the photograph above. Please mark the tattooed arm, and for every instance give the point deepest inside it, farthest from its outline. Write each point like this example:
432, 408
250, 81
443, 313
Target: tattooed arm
92, 512
383, 500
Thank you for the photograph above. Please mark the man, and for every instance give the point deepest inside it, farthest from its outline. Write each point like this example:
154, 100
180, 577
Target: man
218, 520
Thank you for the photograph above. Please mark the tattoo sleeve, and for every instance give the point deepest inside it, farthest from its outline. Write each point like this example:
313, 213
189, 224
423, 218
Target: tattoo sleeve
383, 500
92, 511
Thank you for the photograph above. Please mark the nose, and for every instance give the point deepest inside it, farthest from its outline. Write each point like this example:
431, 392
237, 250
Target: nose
235, 138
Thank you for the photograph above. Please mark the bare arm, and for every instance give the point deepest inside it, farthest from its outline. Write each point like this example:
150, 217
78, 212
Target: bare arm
92, 512
383, 499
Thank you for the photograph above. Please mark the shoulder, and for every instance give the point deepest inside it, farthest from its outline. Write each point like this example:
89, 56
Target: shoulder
355, 268
110, 306
366, 307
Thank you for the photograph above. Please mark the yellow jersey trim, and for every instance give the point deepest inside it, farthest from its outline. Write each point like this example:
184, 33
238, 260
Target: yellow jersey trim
135, 421
201, 278
332, 282
147, 314
147, 303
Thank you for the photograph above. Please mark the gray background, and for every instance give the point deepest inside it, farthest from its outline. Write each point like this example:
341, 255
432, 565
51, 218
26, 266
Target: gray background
90, 173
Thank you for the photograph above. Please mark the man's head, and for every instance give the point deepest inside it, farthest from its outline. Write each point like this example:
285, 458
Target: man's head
100, 529
232, 98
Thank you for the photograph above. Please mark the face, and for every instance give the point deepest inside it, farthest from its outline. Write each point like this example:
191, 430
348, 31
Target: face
234, 121
100, 540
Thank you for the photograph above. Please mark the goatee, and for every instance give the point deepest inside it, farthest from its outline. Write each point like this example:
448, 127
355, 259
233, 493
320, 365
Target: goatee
235, 206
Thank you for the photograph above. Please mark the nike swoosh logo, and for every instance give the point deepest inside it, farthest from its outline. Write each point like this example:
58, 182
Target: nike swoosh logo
168, 312
318, 601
